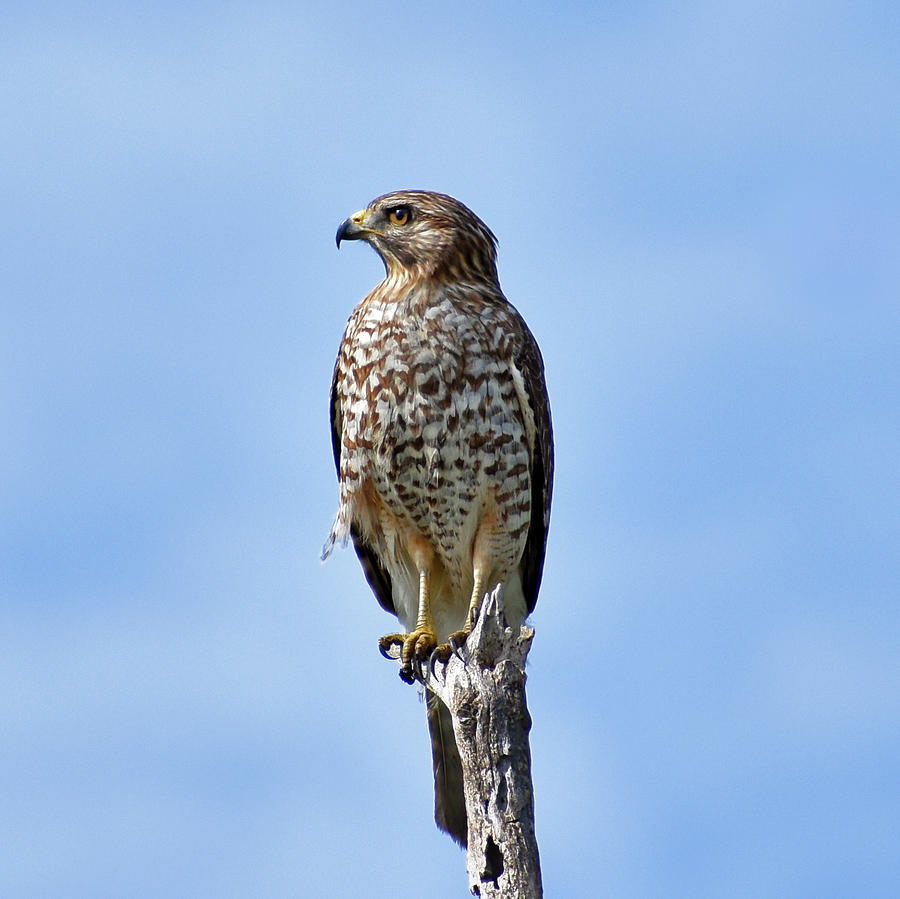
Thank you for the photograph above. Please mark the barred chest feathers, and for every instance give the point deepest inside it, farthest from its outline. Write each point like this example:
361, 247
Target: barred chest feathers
435, 442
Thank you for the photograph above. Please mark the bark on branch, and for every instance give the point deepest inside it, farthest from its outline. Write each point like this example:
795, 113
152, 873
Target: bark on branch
484, 688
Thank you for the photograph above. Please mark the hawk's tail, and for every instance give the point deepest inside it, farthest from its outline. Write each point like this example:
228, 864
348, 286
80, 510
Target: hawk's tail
449, 799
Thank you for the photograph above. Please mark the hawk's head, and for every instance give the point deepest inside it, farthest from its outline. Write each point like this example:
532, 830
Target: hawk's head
423, 234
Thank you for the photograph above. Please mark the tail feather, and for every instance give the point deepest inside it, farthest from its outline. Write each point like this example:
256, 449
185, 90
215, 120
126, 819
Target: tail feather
449, 799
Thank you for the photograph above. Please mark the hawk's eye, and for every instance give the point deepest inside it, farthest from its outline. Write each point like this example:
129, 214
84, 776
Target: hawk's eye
399, 215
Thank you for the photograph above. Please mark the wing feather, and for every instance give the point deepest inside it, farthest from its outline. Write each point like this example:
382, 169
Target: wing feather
530, 366
376, 574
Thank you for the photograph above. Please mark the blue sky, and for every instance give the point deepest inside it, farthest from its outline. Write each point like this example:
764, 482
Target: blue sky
697, 207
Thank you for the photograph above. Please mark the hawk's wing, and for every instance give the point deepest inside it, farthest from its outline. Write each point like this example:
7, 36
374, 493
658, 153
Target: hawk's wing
376, 574
531, 367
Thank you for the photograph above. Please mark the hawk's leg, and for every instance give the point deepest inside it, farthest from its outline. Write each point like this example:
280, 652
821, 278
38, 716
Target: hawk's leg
418, 644
457, 638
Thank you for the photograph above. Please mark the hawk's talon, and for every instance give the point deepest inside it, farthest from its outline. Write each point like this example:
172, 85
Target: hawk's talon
416, 666
436, 657
424, 646
457, 640
385, 644
415, 648
443, 652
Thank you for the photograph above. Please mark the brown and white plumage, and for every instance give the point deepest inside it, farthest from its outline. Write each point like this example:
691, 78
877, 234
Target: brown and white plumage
442, 440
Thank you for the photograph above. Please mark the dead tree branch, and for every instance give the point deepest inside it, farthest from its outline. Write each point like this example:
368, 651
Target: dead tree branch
484, 688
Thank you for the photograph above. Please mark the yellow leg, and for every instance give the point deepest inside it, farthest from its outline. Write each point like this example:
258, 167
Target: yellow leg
474, 602
423, 620
457, 638
419, 643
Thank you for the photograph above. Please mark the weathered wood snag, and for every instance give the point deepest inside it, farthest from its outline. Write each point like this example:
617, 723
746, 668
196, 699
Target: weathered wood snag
483, 686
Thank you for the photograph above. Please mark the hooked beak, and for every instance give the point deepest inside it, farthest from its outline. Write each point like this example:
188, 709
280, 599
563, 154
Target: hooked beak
351, 228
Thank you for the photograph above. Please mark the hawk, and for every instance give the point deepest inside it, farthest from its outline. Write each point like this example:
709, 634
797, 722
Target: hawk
442, 441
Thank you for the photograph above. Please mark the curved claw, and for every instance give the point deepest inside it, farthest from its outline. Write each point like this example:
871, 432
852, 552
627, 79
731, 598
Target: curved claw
415, 648
436, 656
422, 655
456, 646
385, 644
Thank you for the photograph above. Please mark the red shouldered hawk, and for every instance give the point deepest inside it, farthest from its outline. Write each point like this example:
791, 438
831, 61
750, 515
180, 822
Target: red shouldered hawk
442, 441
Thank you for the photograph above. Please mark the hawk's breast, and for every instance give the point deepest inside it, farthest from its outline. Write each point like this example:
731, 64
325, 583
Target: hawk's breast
432, 420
